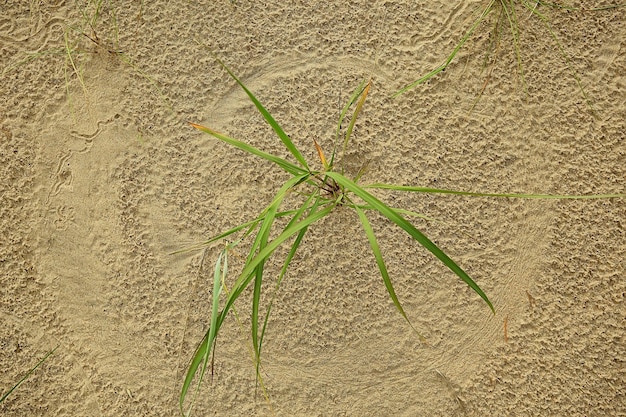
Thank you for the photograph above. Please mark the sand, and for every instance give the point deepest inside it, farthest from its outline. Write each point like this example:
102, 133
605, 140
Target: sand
102, 179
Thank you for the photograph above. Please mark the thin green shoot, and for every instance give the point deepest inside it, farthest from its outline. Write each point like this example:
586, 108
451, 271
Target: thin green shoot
355, 95
508, 195
33, 369
357, 110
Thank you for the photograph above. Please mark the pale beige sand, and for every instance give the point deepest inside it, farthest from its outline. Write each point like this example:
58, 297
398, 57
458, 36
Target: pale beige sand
100, 184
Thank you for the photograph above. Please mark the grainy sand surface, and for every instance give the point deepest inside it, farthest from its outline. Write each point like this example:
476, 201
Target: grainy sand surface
102, 178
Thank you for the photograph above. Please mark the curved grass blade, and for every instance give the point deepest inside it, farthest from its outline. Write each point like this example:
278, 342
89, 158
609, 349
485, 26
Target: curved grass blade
259, 245
251, 225
509, 195
369, 232
286, 165
269, 119
395, 217
458, 47
203, 351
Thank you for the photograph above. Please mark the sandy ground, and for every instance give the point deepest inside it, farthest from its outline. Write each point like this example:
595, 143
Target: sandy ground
102, 179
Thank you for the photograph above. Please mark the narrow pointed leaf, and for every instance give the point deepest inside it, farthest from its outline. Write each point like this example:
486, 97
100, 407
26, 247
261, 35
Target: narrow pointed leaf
509, 195
320, 153
244, 280
286, 165
30, 371
355, 115
269, 119
344, 111
203, 353
294, 247
247, 274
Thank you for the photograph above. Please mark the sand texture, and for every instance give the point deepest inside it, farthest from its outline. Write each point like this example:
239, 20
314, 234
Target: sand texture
102, 179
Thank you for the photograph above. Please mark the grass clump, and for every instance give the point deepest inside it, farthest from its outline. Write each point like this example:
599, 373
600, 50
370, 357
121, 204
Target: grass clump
507, 17
94, 28
318, 194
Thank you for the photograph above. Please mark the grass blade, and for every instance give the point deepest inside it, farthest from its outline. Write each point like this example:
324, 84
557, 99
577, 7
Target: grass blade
395, 217
509, 195
355, 115
246, 275
286, 165
269, 119
344, 111
262, 239
30, 371
240, 284
369, 232
203, 352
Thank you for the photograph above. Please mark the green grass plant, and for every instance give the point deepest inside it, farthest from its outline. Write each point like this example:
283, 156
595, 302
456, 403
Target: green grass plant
507, 19
315, 194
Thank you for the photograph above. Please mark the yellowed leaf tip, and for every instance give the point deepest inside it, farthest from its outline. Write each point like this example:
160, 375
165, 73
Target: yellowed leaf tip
320, 152
204, 128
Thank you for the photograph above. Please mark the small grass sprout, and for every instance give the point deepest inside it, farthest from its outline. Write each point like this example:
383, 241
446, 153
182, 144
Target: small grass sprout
320, 193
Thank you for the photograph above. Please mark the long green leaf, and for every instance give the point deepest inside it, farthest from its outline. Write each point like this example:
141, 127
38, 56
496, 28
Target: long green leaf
262, 238
204, 349
355, 115
269, 119
203, 353
509, 195
395, 217
251, 225
242, 282
286, 165
369, 232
